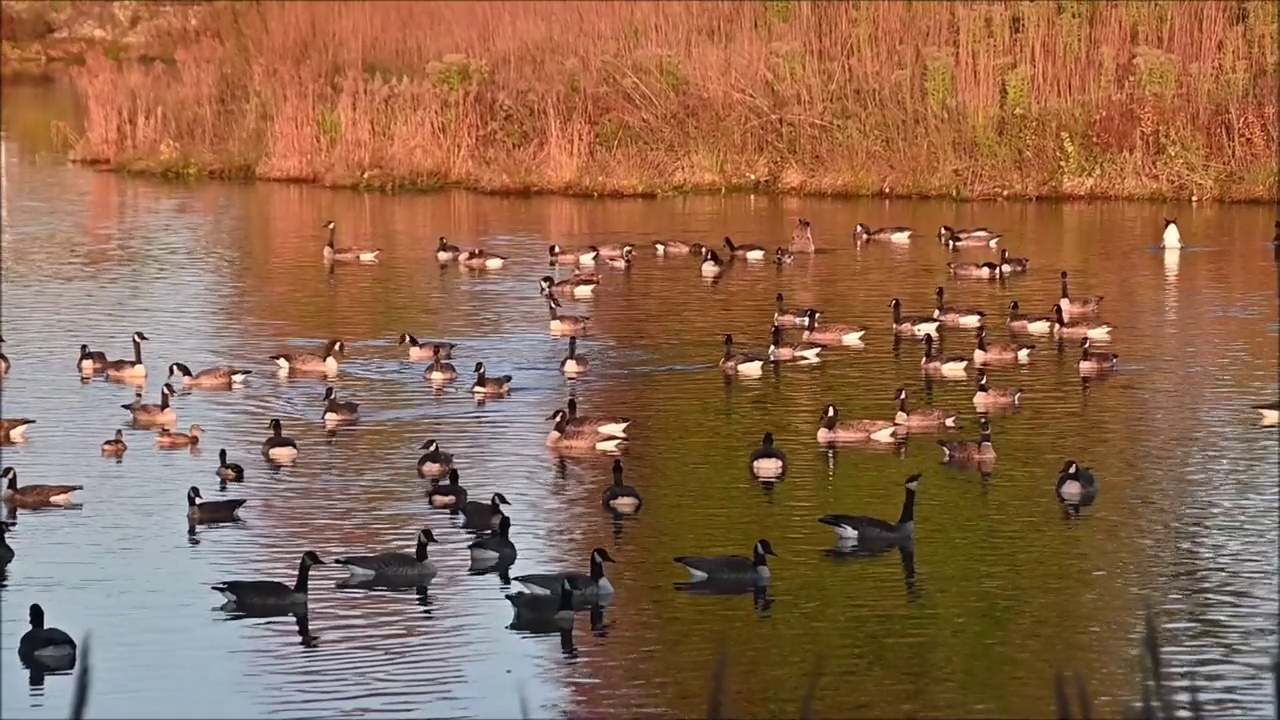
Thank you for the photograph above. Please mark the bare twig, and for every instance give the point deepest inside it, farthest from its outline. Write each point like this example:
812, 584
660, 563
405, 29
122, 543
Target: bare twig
715, 702
811, 689
81, 696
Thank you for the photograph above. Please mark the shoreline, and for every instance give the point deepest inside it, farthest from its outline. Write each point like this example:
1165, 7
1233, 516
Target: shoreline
188, 175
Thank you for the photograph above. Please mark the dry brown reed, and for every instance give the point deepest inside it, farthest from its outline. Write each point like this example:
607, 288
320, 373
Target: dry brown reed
1071, 98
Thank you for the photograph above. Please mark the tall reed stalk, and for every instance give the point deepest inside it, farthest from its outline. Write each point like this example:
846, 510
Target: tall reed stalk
1074, 98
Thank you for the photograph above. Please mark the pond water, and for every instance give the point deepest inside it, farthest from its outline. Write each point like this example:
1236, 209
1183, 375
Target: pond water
1001, 587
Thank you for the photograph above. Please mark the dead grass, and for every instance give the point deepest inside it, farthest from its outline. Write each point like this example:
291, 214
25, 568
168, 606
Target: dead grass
1073, 98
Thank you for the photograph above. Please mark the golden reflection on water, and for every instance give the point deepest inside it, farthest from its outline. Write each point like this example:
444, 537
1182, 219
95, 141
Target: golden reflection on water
1001, 587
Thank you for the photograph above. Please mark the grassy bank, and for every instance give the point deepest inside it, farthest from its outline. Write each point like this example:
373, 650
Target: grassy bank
1073, 98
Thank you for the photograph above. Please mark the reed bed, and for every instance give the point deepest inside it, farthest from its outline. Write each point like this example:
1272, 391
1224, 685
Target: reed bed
1069, 99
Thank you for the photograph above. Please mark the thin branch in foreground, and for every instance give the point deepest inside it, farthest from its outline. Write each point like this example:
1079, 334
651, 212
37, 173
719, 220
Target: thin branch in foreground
81, 696
715, 701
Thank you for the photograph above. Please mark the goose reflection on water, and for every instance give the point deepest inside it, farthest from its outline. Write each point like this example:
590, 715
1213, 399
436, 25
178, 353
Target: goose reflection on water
851, 550
301, 620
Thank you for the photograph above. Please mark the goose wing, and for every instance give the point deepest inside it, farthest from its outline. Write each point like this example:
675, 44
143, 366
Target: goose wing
44, 492
221, 507
718, 565
254, 590
544, 583
858, 523
221, 374
388, 562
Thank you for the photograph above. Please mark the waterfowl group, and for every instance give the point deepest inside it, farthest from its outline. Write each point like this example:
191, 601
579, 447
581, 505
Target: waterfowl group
556, 594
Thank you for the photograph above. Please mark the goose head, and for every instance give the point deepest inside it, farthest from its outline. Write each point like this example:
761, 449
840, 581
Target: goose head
767, 440
764, 548
912, 482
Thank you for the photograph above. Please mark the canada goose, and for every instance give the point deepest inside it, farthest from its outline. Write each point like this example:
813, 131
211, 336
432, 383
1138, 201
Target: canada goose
445, 252
149, 414
91, 361
782, 352
586, 276
269, 593
278, 446
727, 567
782, 256
673, 247
496, 546
893, 234
1171, 239
623, 262
956, 239
1270, 412
977, 237
214, 377
1076, 484
556, 608
619, 496
987, 397
946, 365
562, 437
128, 368
958, 317
565, 323
44, 644
335, 409
767, 460
782, 317
832, 429
211, 511
712, 266
1092, 361
169, 439
311, 362
393, 563
970, 451
1078, 328
481, 259
1010, 265
802, 237
332, 254
481, 515
487, 386
732, 362
585, 256
866, 529
975, 270
592, 584
986, 352
830, 333
577, 285
115, 447
4, 360
434, 462
921, 418
439, 371
749, 251
14, 430
1034, 324
572, 364
447, 495
615, 251
425, 350
1086, 304
228, 472
35, 495
6, 552
607, 424
914, 324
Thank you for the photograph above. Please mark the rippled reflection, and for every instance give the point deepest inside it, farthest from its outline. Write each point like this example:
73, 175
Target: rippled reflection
1001, 585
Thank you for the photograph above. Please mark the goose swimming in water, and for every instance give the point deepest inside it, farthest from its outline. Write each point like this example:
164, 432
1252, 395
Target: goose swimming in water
591, 584
731, 567
241, 594
866, 529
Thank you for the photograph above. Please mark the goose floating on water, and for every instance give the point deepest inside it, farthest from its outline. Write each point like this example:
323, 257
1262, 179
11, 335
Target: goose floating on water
867, 529
242, 594
591, 584
731, 567
393, 564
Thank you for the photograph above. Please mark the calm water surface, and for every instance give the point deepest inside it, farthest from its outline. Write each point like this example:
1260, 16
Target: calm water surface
1000, 590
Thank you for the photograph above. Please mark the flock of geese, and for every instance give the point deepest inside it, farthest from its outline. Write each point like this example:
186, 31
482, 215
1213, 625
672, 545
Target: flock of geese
551, 598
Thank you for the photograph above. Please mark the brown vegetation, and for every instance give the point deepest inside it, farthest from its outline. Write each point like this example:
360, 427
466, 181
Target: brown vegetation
1073, 98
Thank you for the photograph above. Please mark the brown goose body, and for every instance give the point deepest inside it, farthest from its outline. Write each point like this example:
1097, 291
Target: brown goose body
35, 495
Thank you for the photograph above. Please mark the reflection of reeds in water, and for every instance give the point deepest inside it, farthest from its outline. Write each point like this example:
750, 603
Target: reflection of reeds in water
1156, 703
